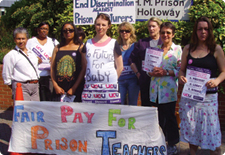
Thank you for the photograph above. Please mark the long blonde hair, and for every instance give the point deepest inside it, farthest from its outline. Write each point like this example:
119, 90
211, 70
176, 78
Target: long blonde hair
130, 27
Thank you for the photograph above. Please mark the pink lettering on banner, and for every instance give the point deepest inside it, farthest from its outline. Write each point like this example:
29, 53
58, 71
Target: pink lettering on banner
112, 95
86, 95
97, 95
79, 117
94, 86
109, 86
89, 116
65, 111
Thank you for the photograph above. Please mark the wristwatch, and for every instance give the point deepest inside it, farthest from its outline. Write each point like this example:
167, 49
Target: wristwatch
167, 72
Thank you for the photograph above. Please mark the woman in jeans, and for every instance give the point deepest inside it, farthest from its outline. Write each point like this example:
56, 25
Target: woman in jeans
128, 82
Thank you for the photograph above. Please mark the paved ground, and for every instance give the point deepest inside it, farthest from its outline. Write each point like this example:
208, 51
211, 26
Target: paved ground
5, 132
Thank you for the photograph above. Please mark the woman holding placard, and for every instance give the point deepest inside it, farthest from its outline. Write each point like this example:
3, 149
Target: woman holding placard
104, 65
199, 119
137, 58
163, 87
68, 66
128, 82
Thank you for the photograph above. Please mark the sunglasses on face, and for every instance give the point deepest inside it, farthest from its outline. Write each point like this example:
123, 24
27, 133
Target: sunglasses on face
122, 31
166, 32
68, 30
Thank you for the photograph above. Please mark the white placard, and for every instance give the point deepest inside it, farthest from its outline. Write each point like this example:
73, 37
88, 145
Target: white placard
195, 88
85, 11
153, 58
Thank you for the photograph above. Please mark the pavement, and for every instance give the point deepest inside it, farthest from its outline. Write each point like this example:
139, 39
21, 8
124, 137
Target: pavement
5, 132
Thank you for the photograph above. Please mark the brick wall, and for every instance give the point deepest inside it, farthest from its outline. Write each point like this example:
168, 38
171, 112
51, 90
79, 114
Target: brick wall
6, 102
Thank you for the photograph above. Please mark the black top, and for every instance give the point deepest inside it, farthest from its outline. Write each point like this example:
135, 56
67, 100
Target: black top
208, 62
67, 68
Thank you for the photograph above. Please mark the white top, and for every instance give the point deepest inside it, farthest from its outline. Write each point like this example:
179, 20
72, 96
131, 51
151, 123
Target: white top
101, 63
16, 67
44, 52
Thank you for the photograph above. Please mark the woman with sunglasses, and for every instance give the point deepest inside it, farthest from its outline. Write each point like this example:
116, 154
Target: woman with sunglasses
104, 65
137, 58
43, 46
128, 82
68, 65
200, 125
163, 87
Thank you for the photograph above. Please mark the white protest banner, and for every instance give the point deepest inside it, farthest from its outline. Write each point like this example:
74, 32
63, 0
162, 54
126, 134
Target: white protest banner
85, 11
153, 58
85, 129
163, 9
195, 88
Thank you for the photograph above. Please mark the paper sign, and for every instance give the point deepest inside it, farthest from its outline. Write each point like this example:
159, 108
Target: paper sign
195, 88
153, 58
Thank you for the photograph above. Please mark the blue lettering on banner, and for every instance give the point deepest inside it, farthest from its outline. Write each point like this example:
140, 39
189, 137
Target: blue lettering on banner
105, 140
134, 149
82, 20
80, 5
25, 116
95, 3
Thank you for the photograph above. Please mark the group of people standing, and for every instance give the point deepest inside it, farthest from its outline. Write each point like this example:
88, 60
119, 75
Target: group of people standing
106, 70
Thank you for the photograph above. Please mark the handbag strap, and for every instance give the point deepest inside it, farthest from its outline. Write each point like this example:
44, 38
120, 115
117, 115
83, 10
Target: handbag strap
28, 61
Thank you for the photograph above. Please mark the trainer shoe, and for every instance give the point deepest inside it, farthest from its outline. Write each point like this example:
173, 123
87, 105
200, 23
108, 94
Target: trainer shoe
171, 150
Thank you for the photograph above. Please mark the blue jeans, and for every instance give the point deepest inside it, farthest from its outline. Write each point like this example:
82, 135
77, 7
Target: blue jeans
131, 87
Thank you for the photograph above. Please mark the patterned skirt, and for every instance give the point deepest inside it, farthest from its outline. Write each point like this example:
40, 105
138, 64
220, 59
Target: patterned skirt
200, 122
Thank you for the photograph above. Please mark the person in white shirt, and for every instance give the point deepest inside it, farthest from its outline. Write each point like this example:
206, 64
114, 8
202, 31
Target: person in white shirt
43, 46
20, 65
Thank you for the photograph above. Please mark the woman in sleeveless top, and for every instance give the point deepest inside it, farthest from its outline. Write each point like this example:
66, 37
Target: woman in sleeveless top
104, 65
128, 81
68, 65
199, 119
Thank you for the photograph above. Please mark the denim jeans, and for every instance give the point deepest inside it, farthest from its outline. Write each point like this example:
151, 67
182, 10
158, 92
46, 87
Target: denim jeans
131, 87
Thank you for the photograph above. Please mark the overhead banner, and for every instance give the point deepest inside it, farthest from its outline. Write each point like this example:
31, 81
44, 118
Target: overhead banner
85, 11
163, 9
85, 129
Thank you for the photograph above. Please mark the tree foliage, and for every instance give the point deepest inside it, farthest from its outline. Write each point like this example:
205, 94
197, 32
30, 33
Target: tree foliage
30, 13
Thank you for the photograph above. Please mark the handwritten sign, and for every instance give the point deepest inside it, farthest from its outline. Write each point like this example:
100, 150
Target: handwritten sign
153, 58
85, 11
196, 79
85, 129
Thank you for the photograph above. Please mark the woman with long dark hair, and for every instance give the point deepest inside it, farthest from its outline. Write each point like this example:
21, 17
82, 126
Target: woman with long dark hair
199, 119
68, 65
